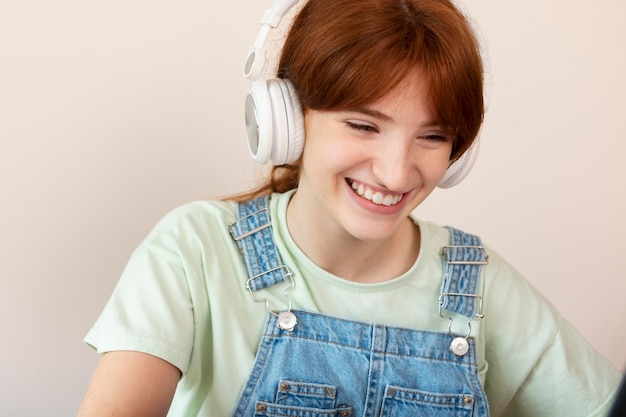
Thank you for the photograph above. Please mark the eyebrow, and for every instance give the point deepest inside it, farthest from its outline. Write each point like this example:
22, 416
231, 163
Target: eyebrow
371, 112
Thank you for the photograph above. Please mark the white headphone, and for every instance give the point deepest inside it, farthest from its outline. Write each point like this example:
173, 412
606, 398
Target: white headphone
274, 116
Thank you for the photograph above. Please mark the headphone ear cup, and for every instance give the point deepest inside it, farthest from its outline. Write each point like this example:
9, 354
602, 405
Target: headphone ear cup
279, 141
295, 121
461, 167
280, 124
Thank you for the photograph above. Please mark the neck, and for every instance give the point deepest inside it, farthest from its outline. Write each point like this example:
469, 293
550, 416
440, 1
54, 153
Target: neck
352, 259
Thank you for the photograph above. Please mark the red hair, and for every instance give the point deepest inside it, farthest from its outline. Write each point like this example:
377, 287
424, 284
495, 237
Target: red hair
342, 54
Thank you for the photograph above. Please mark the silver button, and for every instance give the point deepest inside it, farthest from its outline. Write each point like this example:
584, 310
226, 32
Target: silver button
287, 320
459, 346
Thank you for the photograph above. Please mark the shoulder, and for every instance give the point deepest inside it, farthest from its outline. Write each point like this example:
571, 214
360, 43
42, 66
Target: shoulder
189, 228
201, 228
195, 217
507, 291
435, 237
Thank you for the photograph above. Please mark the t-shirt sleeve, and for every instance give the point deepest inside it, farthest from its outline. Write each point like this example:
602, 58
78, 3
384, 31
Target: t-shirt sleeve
539, 365
569, 377
150, 309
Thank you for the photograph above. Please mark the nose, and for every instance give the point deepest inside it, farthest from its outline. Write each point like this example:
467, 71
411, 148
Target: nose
393, 166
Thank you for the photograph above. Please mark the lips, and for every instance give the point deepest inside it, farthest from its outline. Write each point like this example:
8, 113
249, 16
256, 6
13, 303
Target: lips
374, 196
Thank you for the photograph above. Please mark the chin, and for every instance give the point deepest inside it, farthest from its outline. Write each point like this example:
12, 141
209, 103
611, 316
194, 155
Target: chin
374, 230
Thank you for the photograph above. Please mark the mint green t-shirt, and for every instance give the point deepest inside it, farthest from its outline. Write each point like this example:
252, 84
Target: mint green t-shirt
182, 298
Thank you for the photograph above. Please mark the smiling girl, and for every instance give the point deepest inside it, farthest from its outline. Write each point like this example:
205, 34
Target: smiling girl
320, 293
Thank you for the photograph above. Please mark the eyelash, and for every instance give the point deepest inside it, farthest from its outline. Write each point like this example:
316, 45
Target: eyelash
436, 138
371, 129
361, 127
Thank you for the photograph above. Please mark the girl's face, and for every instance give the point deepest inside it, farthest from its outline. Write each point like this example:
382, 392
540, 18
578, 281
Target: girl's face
365, 169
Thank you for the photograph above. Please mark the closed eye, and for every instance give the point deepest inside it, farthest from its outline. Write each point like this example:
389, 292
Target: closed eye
436, 138
361, 127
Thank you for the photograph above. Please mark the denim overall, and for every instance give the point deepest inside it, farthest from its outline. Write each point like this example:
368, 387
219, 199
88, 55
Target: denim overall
312, 365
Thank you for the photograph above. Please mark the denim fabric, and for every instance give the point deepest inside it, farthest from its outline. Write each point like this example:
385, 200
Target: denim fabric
461, 269
328, 366
333, 367
253, 233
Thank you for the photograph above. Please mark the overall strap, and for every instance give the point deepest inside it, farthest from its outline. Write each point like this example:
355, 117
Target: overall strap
253, 233
462, 263
462, 259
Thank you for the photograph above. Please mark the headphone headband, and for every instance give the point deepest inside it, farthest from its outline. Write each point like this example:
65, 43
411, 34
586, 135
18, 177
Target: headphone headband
256, 62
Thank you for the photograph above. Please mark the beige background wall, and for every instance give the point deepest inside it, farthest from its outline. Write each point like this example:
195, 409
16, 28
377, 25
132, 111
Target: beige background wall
112, 113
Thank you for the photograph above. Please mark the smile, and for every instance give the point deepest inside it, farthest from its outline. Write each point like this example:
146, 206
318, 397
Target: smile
375, 197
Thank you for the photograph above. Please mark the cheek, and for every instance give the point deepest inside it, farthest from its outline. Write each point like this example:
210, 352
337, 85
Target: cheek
435, 167
330, 151
445, 154
438, 155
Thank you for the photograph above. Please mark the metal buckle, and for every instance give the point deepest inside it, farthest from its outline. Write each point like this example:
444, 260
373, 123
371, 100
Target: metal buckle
477, 316
446, 255
460, 345
291, 286
253, 231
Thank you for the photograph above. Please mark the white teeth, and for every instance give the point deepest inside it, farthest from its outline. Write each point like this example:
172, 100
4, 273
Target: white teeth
376, 197
389, 200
